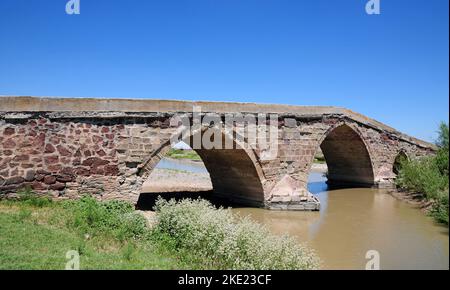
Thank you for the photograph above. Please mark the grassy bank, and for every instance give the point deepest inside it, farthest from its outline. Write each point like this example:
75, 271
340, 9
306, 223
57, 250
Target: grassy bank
36, 233
183, 154
429, 176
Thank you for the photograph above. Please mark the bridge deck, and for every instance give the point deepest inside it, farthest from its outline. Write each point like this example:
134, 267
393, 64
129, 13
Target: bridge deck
74, 105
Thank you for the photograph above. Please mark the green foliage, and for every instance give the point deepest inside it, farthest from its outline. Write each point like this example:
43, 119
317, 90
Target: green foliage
183, 154
128, 251
422, 176
215, 239
442, 140
30, 198
114, 218
27, 245
429, 176
440, 207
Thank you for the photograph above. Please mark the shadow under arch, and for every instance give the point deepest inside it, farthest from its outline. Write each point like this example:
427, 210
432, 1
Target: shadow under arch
235, 174
347, 157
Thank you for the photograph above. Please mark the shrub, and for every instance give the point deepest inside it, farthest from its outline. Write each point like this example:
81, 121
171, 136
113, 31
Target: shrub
429, 176
215, 238
422, 176
116, 218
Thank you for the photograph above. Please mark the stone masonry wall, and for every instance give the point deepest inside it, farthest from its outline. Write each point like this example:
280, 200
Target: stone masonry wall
110, 156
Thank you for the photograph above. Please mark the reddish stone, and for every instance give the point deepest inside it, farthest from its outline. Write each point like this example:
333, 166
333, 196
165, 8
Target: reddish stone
21, 131
32, 123
82, 171
57, 186
101, 152
33, 152
54, 167
42, 121
63, 150
111, 170
54, 140
49, 179
51, 159
78, 132
36, 160
105, 130
32, 133
5, 163
77, 153
67, 170
10, 188
7, 152
14, 180
97, 170
14, 172
38, 186
110, 136
27, 165
39, 177
9, 131
64, 178
43, 172
97, 139
9, 144
76, 162
4, 173
20, 158
49, 148
39, 140
87, 153
94, 162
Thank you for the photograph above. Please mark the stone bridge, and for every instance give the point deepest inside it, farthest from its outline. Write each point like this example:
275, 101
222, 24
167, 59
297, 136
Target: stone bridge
108, 147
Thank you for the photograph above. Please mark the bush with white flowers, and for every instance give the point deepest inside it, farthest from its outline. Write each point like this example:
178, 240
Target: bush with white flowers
217, 239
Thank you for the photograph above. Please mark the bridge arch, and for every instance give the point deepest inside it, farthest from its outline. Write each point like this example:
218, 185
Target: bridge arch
347, 156
236, 174
398, 160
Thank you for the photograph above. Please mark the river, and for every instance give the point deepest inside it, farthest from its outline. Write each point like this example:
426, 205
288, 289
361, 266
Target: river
354, 221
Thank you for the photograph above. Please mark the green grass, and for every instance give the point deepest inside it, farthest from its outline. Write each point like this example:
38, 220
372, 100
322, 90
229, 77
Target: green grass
37, 233
39, 236
183, 154
319, 160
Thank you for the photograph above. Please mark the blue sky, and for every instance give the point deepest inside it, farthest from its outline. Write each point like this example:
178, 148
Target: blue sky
392, 67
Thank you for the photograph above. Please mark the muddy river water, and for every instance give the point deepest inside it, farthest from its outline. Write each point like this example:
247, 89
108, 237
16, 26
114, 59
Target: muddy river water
354, 221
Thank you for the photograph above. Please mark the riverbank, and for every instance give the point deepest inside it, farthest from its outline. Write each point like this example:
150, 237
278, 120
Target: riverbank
417, 200
38, 233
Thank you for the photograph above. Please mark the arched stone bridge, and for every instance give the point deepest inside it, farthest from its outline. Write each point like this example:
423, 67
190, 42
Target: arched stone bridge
107, 147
